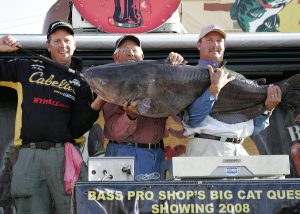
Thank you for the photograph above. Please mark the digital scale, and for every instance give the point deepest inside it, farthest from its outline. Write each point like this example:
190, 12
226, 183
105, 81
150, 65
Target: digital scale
260, 166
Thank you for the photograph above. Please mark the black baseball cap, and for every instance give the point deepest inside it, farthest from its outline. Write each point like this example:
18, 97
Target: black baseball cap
59, 24
127, 37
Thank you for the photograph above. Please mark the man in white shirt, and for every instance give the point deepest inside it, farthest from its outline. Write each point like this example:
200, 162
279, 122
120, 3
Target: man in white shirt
208, 136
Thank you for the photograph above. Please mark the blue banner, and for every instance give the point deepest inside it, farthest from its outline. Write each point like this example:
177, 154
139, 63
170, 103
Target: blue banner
208, 196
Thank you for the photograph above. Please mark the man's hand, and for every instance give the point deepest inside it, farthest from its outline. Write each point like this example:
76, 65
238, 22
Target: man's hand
130, 108
97, 104
218, 79
8, 44
273, 97
175, 58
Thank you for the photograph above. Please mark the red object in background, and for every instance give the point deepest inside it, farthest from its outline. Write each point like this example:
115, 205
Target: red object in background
295, 152
126, 16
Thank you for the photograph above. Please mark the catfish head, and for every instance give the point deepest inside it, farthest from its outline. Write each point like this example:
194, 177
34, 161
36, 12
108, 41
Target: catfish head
111, 82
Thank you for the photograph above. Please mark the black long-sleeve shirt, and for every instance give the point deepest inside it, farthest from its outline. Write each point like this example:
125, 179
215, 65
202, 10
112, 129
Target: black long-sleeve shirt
53, 105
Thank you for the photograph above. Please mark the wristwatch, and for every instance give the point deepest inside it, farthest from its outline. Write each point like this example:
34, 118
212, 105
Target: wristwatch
267, 113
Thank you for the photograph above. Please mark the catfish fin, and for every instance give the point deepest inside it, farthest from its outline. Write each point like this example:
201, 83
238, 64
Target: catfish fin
290, 91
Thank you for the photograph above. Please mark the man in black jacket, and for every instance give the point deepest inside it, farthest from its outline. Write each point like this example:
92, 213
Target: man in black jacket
54, 107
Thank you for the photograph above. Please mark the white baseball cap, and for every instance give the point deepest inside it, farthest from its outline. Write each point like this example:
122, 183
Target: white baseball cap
211, 28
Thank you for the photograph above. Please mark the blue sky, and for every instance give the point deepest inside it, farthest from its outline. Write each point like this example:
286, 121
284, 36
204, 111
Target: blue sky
23, 16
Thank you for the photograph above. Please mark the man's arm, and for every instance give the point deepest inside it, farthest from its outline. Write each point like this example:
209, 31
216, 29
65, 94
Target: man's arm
97, 104
119, 124
9, 69
175, 58
8, 44
83, 115
198, 110
273, 99
260, 123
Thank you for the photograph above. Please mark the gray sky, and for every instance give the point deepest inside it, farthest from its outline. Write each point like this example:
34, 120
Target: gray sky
23, 16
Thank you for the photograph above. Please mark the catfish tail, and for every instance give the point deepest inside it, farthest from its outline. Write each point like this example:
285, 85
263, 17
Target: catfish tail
290, 92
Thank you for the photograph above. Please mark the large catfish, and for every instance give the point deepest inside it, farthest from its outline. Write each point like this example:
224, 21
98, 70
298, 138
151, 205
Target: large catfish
162, 89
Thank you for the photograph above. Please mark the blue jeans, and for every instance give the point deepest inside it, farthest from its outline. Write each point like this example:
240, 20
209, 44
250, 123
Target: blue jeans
147, 162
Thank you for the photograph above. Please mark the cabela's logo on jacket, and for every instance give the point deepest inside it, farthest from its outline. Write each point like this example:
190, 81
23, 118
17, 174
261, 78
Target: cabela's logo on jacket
39, 79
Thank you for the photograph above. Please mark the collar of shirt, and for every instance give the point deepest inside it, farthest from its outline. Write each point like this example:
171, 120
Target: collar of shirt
206, 63
211, 63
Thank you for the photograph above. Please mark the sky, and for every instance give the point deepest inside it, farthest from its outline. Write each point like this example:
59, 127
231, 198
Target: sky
23, 16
